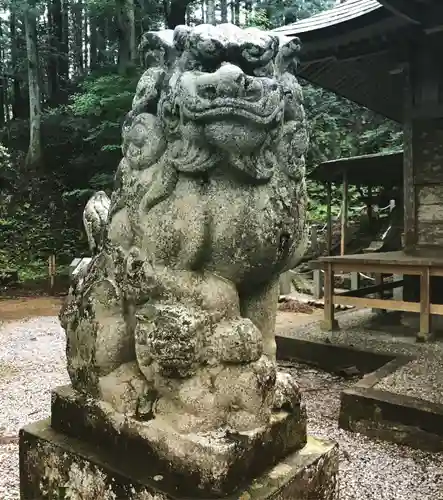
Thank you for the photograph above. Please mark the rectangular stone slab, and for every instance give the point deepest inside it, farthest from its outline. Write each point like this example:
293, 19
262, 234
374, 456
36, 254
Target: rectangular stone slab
53, 465
198, 465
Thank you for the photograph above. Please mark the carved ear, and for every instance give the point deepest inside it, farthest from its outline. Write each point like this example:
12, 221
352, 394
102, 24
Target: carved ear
157, 48
158, 53
288, 55
181, 34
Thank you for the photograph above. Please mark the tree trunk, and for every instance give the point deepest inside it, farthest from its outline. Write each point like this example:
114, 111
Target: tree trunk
188, 16
126, 34
3, 83
77, 48
232, 8
93, 43
101, 40
132, 31
210, 13
224, 11
237, 12
2, 101
203, 9
85, 40
248, 9
175, 12
35, 150
52, 68
18, 105
64, 44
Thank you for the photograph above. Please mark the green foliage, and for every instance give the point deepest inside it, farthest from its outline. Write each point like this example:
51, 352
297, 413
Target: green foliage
281, 12
104, 102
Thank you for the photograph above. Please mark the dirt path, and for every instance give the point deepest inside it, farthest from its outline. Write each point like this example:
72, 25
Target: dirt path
27, 307
287, 319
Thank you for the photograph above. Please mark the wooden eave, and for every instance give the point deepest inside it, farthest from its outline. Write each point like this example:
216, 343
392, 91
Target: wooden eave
358, 50
383, 169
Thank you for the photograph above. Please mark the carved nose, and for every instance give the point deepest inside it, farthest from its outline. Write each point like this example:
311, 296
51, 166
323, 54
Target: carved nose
229, 82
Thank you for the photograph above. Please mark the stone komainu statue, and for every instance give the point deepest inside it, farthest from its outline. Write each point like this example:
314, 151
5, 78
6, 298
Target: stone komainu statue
173, 324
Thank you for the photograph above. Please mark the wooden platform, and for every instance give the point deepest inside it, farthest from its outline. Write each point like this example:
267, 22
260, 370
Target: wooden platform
382, 264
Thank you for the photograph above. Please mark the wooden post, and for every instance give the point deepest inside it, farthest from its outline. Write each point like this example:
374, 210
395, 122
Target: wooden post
329, 218
425, 307
378, 280
314, 239
318, 283
369, 205
285, 283
344, 214
329, 322
410, 235
51, 272
355, 280
397, 293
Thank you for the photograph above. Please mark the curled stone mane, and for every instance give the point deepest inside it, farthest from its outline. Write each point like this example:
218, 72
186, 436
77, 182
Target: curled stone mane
166, 131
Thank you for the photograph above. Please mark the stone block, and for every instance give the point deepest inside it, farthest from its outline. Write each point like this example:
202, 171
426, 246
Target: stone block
194, 463
74, 263
53, 465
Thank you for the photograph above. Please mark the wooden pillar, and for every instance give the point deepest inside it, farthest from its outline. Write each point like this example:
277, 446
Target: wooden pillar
410, 235
314, 239
397, 293
425, 307
318, 283
344, 214
329, 323
355, 280
379, 281
329, 218
285, 283
369, 205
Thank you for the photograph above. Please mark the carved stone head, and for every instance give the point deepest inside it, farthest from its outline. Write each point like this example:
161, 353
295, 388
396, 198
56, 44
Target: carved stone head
224, 93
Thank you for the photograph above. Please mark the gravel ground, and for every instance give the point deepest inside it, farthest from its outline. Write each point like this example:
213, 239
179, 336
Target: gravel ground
369, 469
364, 329
421, 378
32, 363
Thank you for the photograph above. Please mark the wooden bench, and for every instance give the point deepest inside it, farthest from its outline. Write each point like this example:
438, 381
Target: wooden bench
381, 265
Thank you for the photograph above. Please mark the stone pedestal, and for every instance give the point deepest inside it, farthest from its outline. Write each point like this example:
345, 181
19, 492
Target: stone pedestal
89, 446
53, 465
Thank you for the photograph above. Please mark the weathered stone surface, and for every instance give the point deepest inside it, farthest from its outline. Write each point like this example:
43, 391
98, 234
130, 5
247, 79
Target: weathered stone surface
95, 217
56, 466
204, 462
170, 328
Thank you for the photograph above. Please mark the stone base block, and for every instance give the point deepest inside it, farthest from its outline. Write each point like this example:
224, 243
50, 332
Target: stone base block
199, 465
55, 466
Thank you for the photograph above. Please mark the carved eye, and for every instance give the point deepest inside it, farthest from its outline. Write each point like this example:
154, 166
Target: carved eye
252, 53
208, 48
264, 71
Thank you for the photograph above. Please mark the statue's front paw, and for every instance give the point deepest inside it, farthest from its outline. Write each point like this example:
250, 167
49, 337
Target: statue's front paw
172, 336
236, 341
287, 395
124, 388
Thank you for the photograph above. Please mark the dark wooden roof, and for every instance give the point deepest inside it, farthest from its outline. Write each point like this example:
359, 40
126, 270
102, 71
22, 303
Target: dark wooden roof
357, 49
339, 14
383, 169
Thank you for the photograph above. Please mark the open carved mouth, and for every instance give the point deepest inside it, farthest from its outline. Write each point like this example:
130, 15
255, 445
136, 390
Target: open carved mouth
258, 112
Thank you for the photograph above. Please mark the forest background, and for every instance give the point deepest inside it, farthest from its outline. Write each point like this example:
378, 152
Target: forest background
68, 72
